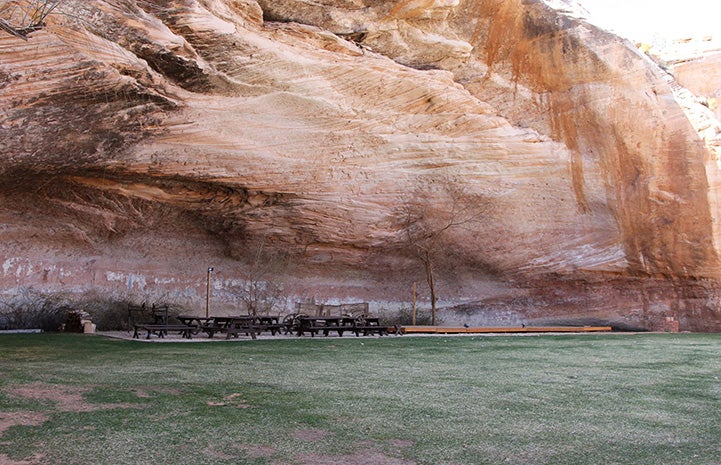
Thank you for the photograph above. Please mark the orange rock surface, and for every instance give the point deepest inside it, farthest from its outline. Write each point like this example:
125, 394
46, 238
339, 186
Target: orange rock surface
565, 176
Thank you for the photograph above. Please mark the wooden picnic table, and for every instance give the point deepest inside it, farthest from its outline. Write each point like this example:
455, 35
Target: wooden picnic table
162, 329
256, 323
326, 324
214, 324
370, 325
195, 322
161, 323
233, 325
270, 323
230, 325
267, 319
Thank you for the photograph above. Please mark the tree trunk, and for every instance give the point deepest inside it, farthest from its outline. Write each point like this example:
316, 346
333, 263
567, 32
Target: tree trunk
431, 285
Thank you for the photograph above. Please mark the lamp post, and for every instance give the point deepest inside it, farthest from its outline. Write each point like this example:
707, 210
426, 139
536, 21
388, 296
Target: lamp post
207, 293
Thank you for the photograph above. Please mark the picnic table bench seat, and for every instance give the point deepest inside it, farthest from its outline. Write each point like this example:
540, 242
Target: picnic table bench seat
249, 329
338, 329
326, 325
370, 329
233, 326
272, 323
273, 328
162, 329
210, 329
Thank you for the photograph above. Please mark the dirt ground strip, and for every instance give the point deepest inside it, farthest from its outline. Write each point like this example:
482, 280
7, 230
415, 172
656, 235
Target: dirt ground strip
365, 453
363, 457
173, 337
200, 338
66, 398
36, 459
21, 418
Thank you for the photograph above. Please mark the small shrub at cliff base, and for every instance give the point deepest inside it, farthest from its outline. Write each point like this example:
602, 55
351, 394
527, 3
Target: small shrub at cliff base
73, 322
107, 315
110, 313
30, 309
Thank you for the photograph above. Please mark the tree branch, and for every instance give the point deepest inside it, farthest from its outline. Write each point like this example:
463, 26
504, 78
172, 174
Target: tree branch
5, 26
33, 18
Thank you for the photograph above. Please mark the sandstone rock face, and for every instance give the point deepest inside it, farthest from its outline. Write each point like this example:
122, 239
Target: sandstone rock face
562, 174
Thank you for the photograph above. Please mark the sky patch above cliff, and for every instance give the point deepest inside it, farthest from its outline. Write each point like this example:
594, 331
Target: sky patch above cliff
657, 20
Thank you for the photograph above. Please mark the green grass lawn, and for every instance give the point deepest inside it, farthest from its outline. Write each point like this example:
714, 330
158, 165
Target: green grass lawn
588, 399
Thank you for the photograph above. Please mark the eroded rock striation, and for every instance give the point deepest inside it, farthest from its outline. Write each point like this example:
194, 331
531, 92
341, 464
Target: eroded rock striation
548, 169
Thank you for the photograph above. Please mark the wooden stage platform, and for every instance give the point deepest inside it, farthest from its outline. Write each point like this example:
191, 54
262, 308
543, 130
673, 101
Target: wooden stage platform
501, 329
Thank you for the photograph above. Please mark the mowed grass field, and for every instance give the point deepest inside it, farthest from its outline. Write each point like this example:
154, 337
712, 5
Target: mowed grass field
571, 399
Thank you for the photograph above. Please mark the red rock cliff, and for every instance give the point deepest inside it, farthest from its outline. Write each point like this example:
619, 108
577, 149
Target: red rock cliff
562, 173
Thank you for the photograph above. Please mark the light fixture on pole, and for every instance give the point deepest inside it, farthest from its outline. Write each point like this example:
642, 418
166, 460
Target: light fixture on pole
207, 293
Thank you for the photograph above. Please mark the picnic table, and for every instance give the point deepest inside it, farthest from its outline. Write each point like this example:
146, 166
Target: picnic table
270, 323
233, 325
195, 322
256, 323
230, 325
161, 330
369, 325
340, 324
325, 324
159, 314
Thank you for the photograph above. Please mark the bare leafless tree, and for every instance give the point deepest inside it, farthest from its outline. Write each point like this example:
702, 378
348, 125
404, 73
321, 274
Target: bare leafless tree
260, 292
20, 18
428, 216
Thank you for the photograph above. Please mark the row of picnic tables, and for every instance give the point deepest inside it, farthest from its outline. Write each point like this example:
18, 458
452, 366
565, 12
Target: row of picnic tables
251, 325
340, 324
